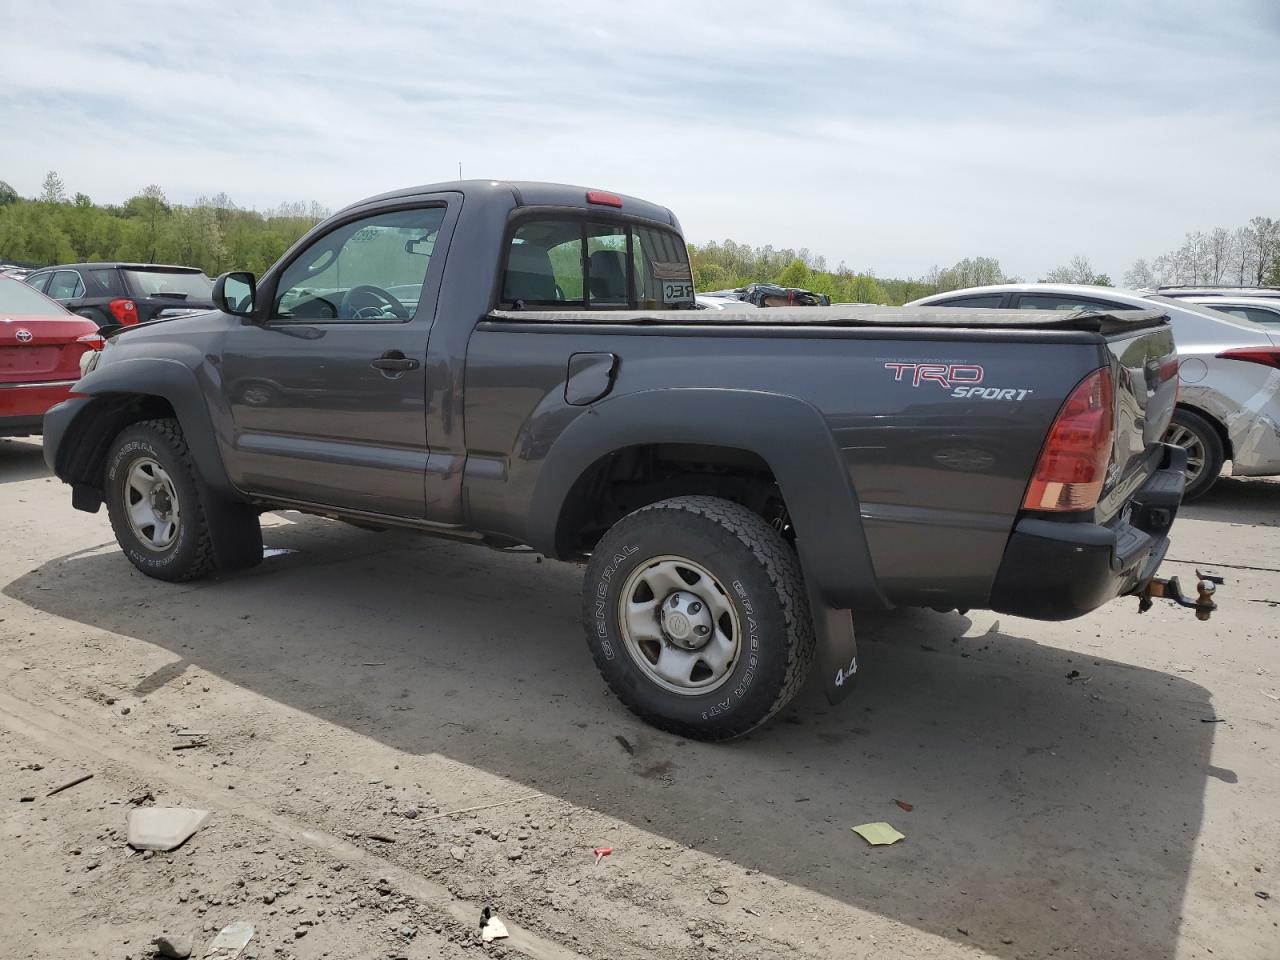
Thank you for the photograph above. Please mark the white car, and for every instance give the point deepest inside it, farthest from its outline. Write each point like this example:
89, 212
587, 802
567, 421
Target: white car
1229, 372
1263, 310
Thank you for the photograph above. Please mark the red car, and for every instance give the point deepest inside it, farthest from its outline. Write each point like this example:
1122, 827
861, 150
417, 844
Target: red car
40, 349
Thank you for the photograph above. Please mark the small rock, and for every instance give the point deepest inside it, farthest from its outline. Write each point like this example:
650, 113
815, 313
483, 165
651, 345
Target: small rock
408, 932
268, 898
299, 931
124, 711
458, 853
409, 813
177, 946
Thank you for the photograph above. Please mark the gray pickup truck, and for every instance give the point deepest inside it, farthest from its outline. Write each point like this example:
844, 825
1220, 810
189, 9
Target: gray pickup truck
523, 365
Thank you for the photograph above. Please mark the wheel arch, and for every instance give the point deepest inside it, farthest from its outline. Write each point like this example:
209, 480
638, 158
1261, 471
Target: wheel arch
110, 399
787, 435
1214, 422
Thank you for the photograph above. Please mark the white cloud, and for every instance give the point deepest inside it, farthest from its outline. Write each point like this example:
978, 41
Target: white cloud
889, 135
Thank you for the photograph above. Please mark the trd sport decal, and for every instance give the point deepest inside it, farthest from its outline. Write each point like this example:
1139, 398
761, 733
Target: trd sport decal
962, 379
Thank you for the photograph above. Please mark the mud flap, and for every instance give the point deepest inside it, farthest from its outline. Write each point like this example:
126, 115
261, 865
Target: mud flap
234, 530
837, 653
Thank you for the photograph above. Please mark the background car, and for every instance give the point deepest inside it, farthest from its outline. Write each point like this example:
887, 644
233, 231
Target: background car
1264, 310
40, 349
1229, 395
1196, 293
122, 294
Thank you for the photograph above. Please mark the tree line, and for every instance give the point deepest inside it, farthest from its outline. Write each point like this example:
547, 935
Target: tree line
212, 233
216, 235
1246, 256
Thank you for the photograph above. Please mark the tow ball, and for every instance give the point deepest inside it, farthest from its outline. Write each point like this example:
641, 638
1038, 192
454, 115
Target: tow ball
1207, 583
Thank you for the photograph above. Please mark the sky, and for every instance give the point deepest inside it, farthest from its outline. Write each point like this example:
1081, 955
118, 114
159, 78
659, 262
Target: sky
891, 136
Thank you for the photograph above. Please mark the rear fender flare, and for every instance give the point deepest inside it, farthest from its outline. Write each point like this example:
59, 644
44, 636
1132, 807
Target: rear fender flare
789, 434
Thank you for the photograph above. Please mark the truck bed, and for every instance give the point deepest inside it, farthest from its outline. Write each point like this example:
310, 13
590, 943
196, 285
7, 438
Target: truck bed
856, 316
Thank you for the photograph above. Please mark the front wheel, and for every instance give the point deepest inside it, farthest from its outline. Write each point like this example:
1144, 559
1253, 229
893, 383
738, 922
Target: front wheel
1205, 453
696, 616
154, 503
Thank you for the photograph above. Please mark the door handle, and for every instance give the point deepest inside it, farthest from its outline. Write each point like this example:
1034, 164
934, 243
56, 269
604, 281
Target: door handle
394, 360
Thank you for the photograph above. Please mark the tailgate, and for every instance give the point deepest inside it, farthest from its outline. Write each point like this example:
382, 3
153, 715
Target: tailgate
1144, 373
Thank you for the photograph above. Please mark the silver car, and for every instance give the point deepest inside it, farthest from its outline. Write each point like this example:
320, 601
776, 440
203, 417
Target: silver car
1229, 372
1263, 310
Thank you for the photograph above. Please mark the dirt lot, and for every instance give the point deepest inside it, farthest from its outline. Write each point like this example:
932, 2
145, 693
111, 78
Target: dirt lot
1100, 788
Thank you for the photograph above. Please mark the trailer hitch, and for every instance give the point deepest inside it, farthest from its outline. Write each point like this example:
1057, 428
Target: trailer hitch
1170, 589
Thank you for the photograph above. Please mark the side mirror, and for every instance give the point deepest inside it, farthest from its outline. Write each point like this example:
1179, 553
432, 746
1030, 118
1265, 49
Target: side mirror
236, 293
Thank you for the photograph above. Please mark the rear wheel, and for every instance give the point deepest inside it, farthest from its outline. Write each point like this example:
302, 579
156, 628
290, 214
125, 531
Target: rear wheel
1205, 454
696, 616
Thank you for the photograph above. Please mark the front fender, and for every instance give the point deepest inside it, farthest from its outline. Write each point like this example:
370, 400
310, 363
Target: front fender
78, 426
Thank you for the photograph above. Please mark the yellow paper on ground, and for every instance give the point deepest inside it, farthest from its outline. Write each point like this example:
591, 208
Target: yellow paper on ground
878, 834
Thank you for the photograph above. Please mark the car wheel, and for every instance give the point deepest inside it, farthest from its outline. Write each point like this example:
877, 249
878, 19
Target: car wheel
154, 502
1205, 454
696, 615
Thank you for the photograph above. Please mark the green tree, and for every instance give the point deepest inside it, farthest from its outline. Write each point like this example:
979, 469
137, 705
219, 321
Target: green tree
8, 195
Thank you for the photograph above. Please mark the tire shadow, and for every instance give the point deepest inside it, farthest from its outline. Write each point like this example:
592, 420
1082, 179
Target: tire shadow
1050, 810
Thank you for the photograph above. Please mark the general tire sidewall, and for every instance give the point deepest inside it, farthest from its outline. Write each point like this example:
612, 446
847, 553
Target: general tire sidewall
760, 672
133, 446
1213, 451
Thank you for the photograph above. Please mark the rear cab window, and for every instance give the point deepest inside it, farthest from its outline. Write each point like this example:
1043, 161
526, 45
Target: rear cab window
574, 262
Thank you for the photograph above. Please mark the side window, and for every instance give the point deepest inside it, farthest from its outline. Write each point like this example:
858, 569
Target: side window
570, 263
39, 280
66, 285
1055, 301
103, 283
1262, 315
988, 300
371, 270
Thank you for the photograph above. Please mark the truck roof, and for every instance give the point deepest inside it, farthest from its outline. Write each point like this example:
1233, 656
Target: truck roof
532, 193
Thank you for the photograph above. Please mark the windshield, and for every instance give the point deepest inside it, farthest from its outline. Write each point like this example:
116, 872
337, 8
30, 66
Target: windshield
21, 300
152, 283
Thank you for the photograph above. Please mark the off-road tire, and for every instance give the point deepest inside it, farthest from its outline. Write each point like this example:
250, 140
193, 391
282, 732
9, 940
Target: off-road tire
190, 556
763, 581
1210, 442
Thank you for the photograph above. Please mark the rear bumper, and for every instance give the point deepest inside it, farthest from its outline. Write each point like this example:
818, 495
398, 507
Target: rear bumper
23, 405
1054, 570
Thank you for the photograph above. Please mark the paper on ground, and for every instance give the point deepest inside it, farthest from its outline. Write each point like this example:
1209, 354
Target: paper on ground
878, 834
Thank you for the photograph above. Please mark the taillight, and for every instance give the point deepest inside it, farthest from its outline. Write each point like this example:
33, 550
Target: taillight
603, 198
1073, 464
95, 341
1267, 356
124, 310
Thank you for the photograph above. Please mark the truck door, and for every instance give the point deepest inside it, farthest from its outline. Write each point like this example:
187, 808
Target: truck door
327, 394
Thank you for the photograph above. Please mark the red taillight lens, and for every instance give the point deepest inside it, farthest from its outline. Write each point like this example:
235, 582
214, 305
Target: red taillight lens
1267, 356
125, 311
604, 199
1073, 464
94, 341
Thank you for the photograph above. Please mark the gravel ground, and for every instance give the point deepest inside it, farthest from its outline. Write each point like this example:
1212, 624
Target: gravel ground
401, 731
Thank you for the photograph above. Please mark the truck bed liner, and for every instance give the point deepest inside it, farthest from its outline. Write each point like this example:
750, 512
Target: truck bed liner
855, 316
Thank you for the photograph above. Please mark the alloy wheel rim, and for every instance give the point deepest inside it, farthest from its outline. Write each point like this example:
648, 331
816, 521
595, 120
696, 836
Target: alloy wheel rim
151, 503
1185, 438
679, 626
